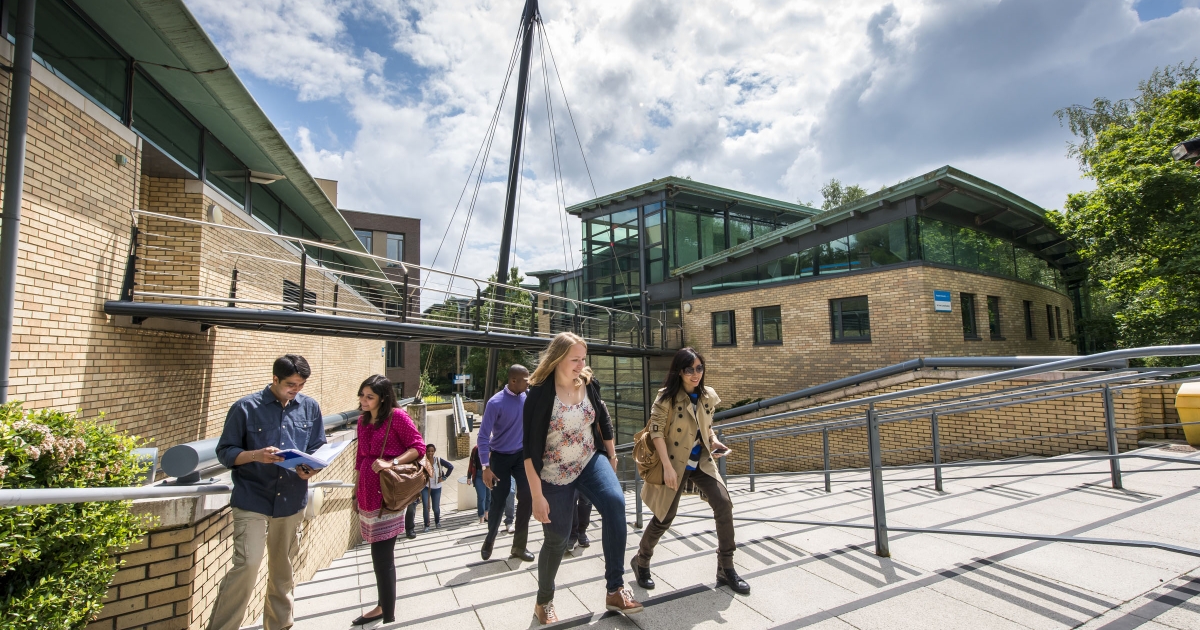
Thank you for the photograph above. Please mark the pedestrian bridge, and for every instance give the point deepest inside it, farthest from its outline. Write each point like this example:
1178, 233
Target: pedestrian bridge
808, 576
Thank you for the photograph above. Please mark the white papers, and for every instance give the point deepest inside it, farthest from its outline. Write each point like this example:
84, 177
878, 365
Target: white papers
318, 460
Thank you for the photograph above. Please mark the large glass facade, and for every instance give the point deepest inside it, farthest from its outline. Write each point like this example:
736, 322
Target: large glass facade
908, 239
165, 125
78, 54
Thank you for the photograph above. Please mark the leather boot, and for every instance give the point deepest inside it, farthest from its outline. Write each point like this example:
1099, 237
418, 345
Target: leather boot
729, 577
642, 574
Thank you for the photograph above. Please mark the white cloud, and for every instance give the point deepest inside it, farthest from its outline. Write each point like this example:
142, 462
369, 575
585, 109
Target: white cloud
772, 97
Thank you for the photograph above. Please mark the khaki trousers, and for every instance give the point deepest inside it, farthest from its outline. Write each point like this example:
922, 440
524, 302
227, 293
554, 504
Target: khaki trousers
254, 534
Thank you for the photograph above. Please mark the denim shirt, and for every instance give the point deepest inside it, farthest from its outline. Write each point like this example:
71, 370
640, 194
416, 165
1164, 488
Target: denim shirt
258, 421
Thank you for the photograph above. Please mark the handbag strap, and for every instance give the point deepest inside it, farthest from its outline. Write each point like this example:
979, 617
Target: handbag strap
386, 431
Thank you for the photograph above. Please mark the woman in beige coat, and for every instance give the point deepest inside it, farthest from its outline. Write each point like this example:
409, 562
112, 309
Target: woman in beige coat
681, 429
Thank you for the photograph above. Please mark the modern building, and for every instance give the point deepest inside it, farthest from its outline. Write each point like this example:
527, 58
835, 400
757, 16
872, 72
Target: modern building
397, 239
780, 296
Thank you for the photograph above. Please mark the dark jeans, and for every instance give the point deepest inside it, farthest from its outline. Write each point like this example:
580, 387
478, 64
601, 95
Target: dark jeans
383, 560
482, 495
722, 507
410, 517
433, 496
598, 483
583, 518
504, 466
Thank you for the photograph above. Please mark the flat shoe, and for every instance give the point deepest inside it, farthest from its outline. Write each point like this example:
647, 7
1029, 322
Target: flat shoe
364, 620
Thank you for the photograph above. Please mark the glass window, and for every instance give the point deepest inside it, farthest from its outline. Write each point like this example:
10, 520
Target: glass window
1058, 322
365, 237
882, 245
741, 229
970, 331
1028, 306
395, 248
158, 120
224, 171
654, 228
1050, 320
395, 354
712, 234
265, 207
687, 238
993, 304
850, 319
291, 295
80, 55
834, 256
768, 326
399, 389
723, 329
937, 241
289, 223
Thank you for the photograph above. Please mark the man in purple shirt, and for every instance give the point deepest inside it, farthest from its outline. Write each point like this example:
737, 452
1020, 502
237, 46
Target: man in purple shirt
501, 435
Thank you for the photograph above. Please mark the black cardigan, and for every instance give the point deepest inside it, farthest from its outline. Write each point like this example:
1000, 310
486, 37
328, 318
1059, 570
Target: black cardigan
539, 405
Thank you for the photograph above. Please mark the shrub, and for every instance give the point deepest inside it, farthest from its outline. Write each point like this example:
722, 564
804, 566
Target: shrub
56, 560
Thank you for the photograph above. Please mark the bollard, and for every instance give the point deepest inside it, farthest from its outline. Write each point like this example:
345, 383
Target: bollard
1110, 428
877, 505
937, 452
637, 500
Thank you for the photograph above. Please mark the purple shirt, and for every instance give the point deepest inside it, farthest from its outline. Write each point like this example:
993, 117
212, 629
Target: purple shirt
501, 430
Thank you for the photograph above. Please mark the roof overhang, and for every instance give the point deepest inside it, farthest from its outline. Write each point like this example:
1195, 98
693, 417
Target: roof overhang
676, 185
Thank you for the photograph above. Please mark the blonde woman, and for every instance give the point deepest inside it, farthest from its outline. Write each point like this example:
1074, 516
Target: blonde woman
568, 446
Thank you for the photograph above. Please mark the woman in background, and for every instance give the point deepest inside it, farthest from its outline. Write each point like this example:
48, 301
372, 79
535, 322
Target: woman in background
381, 421
432, 493
483, 494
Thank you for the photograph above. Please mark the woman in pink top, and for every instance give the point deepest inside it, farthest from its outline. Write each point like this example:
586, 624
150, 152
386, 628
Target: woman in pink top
381, 419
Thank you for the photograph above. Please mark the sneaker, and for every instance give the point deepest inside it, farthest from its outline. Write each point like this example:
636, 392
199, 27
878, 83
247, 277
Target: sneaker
426, 529
622, 601
585, 542
508, 528
545, 613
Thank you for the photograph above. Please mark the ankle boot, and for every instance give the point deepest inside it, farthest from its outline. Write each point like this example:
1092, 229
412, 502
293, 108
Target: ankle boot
729, 577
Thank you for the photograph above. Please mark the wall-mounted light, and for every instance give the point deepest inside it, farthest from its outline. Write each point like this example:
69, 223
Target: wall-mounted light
215, 215
121, 159
259, 177
687, 307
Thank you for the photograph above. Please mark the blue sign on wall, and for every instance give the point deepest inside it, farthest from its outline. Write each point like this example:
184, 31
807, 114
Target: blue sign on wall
941, 302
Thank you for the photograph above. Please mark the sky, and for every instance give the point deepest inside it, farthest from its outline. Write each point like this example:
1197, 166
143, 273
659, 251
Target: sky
394, 99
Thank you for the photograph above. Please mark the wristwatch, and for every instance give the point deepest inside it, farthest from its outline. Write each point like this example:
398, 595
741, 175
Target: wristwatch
395, 461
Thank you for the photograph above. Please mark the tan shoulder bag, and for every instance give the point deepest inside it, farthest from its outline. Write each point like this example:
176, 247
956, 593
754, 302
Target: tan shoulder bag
645, 456
401, 484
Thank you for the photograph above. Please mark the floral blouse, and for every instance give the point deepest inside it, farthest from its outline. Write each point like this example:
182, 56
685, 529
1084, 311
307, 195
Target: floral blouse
570, 443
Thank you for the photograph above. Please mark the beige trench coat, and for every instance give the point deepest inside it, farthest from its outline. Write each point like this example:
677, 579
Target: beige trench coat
676, 423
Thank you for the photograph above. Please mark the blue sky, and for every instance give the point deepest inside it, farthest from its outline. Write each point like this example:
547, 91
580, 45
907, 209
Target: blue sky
773, 97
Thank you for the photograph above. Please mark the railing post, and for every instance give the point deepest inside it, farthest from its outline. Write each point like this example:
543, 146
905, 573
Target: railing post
233, 288
478, 307
637, 500
533, 306
303, 270
336, 286
721, 467
937, 451
878, 511
130, 280
610, 328
404, 313
662, 334
751, 440
1110, 428
825, 456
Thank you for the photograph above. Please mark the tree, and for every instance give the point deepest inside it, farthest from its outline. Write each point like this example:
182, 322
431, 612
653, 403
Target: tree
835, 194
1138, 232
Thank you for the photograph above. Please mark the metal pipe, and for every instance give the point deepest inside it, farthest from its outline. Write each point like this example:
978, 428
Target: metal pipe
878, 509
751, 464
637, 500
937, 451
721, 463
14, 181
1110, 428
303, 269
825, 456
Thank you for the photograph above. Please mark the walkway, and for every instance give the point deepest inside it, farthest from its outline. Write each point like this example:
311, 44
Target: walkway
822, 577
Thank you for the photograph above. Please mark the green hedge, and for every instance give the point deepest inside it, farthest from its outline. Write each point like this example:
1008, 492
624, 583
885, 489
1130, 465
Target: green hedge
56, 560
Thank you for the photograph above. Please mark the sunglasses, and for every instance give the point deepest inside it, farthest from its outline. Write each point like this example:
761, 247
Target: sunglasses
692, 371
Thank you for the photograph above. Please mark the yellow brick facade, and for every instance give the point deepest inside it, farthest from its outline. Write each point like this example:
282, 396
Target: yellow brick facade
903, 326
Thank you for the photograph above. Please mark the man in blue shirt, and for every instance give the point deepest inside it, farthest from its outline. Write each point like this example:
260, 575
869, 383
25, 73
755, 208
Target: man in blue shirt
500, 440
268, 500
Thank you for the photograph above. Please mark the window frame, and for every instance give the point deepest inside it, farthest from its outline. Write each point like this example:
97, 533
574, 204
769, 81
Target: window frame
966, 303
388, 239
995, 333
837, 320
1050, 320
1028, 306
369, 244
395, 349
732, 329
1058, 322
758, 327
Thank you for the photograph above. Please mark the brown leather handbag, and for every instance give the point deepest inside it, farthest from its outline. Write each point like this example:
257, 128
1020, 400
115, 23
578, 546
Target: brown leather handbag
401, 484
645, 456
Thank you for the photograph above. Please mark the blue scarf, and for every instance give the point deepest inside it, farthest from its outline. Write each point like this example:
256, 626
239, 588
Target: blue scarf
694, 458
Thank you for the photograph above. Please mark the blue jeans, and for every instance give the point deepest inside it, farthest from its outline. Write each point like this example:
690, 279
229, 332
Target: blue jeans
598, 483
483, 496
431, 496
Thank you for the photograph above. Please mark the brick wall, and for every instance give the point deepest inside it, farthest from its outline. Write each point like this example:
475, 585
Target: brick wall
167, 387
169, 580
903, 326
